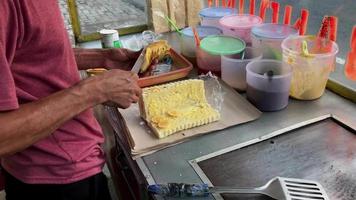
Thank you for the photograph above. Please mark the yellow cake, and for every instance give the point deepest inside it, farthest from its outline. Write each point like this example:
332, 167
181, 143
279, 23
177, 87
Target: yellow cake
176, 106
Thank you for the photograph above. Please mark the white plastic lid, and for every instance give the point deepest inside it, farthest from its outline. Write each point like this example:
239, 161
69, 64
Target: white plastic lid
217, 12
274, 31
240, 21
107, 31
203, 31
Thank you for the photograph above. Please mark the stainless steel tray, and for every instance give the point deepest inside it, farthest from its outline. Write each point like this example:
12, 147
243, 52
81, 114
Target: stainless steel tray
322, 149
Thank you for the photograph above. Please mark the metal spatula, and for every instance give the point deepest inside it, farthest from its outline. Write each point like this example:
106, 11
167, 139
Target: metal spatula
278, 188
282, 189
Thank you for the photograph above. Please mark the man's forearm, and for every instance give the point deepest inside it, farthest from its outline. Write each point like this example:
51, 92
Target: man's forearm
90, 58
34, 121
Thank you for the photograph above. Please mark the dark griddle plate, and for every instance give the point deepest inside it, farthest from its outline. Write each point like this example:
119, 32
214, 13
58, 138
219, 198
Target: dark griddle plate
324, 151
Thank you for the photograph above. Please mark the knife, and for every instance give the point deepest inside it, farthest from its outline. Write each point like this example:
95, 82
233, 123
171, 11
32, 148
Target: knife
137, 66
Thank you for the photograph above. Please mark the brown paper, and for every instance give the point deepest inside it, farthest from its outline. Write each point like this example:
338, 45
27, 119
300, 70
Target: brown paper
235, 110
193, 8
177, 13
158, 9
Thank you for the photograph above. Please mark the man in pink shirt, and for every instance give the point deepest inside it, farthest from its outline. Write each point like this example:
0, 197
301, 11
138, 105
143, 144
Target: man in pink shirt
50, 142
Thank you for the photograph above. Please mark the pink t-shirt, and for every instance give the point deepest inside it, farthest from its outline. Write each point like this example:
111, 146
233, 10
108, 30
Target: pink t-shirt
36, 60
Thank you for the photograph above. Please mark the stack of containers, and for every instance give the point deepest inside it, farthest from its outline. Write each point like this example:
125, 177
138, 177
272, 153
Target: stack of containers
212, 16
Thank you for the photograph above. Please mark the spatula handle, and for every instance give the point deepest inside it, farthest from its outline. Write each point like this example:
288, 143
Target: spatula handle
225, 190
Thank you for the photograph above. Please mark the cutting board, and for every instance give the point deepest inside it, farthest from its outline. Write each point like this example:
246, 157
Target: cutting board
235, 110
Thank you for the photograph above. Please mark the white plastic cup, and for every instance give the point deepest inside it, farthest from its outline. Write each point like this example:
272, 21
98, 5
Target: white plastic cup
240, 25
110, 38
233, 67
310, 73
268, 84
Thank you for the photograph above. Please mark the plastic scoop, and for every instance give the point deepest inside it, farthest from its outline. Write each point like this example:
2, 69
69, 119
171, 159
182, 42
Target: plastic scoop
252, 7
173, 24
275, 12
277, 188
263, 7
305, 51
350, 67
304, 21
196, 37
241, 6
287, 14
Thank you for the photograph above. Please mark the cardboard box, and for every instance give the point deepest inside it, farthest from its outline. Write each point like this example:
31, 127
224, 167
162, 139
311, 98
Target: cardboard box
177, 12
157, 10
193, 8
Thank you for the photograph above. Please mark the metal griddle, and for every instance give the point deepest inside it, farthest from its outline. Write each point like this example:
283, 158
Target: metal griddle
311, 152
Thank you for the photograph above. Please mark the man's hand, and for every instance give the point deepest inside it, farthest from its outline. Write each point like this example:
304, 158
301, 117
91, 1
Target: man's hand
121, 59
116, 87
36, 120
105, 58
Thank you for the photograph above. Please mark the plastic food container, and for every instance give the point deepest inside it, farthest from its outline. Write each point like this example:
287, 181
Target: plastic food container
187, 42
212, 48
240, 25
310, 73
233, 67
269, 37
211, 16
180, 69
268, 84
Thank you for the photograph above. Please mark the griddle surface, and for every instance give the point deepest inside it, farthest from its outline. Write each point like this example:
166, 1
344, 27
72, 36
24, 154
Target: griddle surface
324, 152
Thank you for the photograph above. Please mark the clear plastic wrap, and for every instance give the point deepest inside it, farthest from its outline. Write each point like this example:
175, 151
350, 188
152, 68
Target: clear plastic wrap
213, 91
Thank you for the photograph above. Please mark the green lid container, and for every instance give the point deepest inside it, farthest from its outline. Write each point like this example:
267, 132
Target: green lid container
222, 45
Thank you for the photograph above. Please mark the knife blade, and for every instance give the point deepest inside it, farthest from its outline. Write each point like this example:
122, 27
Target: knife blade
137, 66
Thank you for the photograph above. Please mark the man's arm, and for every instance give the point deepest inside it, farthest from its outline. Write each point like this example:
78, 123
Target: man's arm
34, 121
105, 58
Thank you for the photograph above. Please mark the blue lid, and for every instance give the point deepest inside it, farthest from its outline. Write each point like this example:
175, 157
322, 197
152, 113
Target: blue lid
217, 12
203, 31
274, 31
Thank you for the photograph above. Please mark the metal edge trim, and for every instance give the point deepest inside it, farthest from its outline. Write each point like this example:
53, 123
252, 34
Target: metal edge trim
344, 122
341, 90
147, 174
262, 138
122, 31
205, 179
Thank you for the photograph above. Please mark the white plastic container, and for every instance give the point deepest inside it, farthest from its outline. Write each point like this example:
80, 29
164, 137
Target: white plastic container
110, 38
310, 73
212, 48
187, 41
269, 37
268, 84
240, 25
212, 16
233, 67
